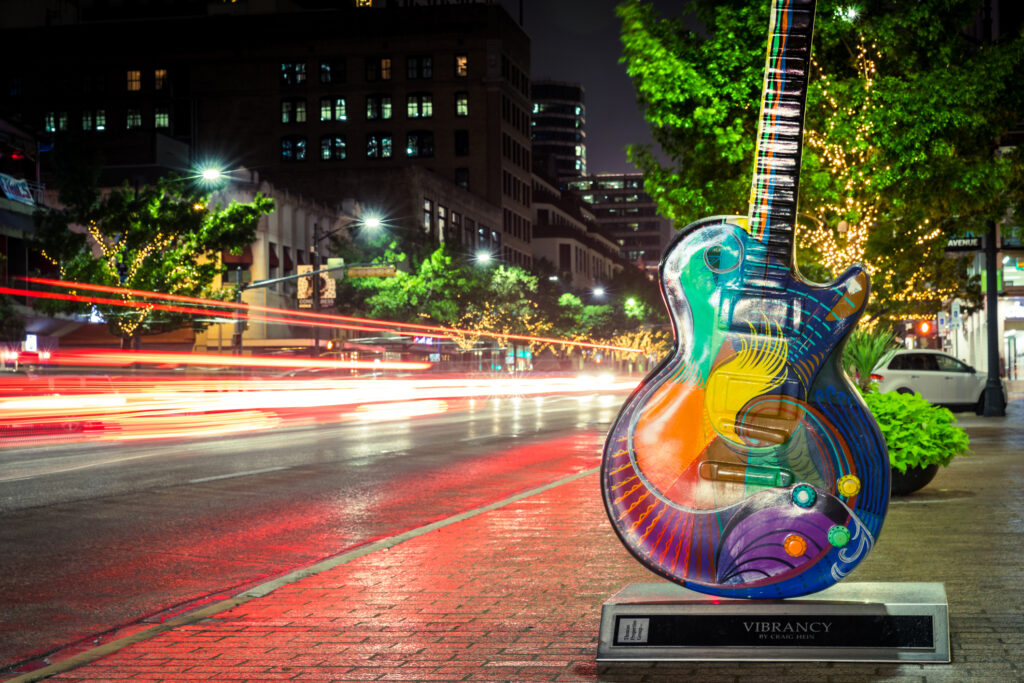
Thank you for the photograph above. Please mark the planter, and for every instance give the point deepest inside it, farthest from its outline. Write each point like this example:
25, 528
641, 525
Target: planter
913, 479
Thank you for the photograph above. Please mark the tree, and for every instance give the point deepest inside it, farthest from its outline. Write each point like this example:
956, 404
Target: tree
903, 117
164, 238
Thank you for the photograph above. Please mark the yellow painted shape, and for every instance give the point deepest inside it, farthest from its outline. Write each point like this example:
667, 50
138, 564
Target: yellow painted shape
754, 371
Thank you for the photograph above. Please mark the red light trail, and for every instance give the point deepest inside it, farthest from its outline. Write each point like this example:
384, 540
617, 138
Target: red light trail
307, 318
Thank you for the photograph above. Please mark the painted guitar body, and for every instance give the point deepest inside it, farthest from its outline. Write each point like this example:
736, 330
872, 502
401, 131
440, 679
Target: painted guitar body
746, 464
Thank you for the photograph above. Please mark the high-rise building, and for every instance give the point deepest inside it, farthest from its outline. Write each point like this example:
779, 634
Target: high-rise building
558, 129
628, 214
317, 98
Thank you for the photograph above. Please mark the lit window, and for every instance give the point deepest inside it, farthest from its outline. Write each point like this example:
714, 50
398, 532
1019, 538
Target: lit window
293, 111
62, 121
378, 107
50, 122
462, 104
101, 119
419, 67
332, 148
378, 146
293, 73
333, 109
87, 122
461, 66
162, 117
428, 215
134, 119
159, 79
378, 69
293, 148
419, 143
135, 80
419, 106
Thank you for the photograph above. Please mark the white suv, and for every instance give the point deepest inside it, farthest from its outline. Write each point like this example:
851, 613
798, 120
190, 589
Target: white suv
939, 378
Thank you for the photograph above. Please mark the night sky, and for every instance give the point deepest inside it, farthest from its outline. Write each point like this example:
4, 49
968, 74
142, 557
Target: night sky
578, 41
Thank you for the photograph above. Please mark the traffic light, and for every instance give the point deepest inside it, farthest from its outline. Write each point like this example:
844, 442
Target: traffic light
925, 328
332, 345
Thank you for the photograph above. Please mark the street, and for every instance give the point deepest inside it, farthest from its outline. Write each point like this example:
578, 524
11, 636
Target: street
97, 536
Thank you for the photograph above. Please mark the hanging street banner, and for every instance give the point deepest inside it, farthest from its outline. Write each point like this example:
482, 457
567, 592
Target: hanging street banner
328, 288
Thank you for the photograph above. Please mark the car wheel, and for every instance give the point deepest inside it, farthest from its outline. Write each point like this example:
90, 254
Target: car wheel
904, 390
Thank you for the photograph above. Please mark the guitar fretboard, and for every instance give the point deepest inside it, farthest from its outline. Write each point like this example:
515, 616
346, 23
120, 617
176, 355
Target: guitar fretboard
773, 195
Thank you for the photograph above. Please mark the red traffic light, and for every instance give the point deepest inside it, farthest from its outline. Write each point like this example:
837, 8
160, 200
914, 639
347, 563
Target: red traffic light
925, 328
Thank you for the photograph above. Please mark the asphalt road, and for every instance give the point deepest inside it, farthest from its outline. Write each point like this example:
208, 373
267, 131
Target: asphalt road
97, 537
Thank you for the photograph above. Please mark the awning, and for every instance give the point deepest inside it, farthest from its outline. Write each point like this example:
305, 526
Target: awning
274, 263
243, 259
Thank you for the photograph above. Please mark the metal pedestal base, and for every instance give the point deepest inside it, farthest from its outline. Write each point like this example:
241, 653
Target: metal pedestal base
878, 622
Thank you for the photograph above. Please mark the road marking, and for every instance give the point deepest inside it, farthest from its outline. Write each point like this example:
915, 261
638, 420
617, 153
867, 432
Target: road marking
237, 474
89, 656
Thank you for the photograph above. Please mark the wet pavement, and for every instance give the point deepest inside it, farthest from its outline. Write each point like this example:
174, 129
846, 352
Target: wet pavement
513, 591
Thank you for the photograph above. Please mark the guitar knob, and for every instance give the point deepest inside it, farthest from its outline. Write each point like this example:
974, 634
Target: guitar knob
848, 486
839, 536
794, 545
804, 495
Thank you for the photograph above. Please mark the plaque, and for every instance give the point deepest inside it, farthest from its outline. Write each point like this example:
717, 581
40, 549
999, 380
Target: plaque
882, 622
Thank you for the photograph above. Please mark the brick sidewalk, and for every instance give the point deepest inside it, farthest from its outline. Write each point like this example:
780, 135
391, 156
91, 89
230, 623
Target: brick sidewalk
514, 594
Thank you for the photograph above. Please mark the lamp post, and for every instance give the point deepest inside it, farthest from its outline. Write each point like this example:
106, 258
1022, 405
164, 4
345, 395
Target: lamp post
995, 402
370, 222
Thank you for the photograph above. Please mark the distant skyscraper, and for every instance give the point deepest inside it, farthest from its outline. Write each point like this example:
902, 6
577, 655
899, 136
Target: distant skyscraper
558, 129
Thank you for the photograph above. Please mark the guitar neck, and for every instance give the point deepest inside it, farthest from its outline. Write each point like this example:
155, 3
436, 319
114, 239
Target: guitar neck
773, 193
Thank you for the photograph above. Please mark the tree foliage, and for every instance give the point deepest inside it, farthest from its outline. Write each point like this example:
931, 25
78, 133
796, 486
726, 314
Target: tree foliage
164, 238
903, 120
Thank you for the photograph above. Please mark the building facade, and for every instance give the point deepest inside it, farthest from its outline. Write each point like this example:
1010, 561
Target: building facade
628, 214
309, 95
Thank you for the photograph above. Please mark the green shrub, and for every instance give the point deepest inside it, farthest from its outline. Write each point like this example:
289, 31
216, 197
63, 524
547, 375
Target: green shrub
917, 433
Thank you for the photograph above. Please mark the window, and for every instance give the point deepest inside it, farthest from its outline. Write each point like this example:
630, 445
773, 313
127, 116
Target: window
162, 117
87, 120
378, 69
419, 143
50, 122
419, 67
419, 106
333, 109
461, 143
101, 119
293, 73
293, 111
134, 79
442, 221
462, 178
133, 119
332, 147
428, 215
947, 364
378, 107
462, 104
159, 79
332, 71
293, 148
378, 146
62, 121
461, 66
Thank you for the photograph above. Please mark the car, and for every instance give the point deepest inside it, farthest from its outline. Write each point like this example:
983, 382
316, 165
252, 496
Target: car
938, 377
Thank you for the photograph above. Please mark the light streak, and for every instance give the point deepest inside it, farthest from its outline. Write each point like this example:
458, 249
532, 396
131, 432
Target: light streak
308, 316
62, 408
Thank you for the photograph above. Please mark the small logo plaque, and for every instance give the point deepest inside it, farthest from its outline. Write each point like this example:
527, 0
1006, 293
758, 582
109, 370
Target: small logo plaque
633, 630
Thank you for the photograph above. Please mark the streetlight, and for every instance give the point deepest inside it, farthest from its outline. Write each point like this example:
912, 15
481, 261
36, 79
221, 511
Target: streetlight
599, 291
371, 222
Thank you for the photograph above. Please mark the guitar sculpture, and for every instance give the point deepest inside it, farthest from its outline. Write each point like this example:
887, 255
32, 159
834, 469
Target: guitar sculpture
746, 465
